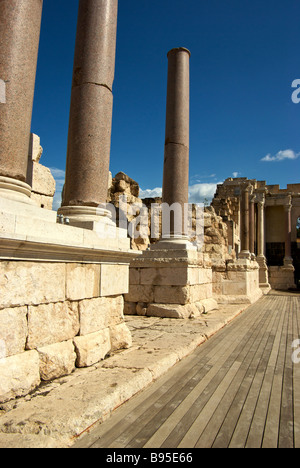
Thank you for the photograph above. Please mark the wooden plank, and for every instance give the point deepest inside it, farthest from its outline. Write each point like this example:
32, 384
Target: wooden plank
296, 376
228, 428
140, 410
168, 419
229, 401
187, 419
256, 432
286, 428
270, 438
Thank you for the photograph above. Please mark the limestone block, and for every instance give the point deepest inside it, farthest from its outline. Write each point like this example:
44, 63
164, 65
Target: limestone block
82, 281
35, 150
171, 294
164, 276
43, 201
204, 276
130, 308
52, 323
200, 291
97, 314
114, 280
134, 276
19, 375
120, 337
30, 283
92, 348
13, 330
42, 180
140, 293
174, 311
57, 360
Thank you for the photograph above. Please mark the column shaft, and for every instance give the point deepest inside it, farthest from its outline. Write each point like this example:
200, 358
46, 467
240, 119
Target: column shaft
245, 223
252, 226
20, 22
288, 235
176, 159
90, 123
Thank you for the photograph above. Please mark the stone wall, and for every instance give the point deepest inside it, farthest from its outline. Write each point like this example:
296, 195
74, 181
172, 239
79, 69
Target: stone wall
55, 317
39, 177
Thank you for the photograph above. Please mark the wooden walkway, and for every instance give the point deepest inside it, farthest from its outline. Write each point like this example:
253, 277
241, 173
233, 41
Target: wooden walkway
239, 389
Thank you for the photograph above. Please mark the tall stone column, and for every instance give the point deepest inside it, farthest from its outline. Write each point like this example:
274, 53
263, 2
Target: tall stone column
245, 223
252, 225
261, 259
90, 123
288, 260
176, 156
20, 22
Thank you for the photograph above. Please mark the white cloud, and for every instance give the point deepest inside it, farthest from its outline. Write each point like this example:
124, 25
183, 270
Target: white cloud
198, 193
235, 174
151, 193
281, 156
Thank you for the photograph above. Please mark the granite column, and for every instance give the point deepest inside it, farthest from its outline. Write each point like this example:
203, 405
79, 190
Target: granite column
176, 155
20, 23
89, 138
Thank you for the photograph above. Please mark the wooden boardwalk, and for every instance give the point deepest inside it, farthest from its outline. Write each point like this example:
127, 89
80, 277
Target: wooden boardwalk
239, 389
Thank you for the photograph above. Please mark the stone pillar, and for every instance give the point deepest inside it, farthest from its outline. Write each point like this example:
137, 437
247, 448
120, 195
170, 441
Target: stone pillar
20, 22
288, 260
261, 259
252, 226
245, 223
89, 137
176, 158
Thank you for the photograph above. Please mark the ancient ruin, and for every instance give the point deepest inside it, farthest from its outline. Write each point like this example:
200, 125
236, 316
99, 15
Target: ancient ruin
67, 279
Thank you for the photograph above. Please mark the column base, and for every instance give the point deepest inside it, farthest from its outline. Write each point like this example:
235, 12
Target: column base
173, 243
81, 215
288, 263
263, 274
245, 254
16, 190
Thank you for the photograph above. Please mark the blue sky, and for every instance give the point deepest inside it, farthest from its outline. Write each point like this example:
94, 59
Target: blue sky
244, 59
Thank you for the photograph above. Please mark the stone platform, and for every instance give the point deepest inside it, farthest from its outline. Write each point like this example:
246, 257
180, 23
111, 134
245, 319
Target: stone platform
58, 412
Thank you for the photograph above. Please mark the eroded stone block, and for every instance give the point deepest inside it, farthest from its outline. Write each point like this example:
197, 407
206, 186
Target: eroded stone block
52, 323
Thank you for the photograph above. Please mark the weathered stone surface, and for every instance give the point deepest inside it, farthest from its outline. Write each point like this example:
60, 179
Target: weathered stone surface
92, 348
173, 311
42, 180
28, 283
97, 314
57, 360
114, 280
13, 331
52, 323
140, 293
171, 294
120, 337
19, 375
82, 281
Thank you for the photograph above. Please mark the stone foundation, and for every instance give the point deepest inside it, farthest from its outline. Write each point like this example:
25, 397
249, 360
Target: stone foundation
237, 283
173, 284
61, 303
282, 278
